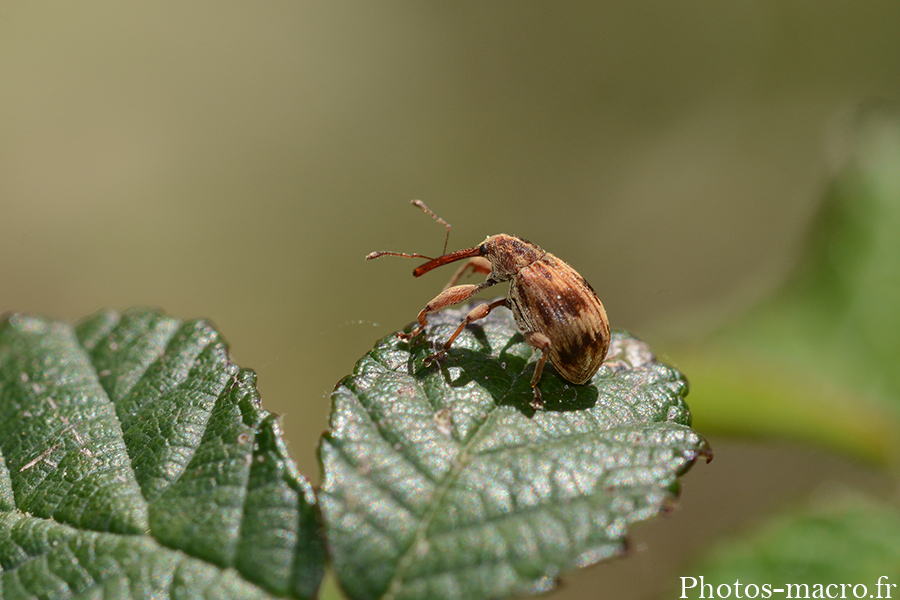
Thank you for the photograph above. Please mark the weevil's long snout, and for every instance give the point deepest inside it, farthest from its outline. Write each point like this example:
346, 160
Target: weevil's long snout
447, 258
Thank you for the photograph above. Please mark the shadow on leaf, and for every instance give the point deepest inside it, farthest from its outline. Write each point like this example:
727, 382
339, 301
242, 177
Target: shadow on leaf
507, 376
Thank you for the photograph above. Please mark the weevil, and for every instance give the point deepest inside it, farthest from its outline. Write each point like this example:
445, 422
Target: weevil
556, 310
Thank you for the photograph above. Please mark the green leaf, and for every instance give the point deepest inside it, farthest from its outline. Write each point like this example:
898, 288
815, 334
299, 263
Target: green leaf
442, 481
843, 538
818, 360
136, 461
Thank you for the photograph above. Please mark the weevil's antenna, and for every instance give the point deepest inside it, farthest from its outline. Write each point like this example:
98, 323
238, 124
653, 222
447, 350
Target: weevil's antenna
421, 205
379, 253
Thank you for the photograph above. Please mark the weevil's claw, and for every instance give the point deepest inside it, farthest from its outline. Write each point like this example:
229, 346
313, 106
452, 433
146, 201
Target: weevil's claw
411, 334
436, 356
537, 403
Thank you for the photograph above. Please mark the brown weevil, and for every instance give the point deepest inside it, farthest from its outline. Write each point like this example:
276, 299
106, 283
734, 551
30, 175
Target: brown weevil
556, 310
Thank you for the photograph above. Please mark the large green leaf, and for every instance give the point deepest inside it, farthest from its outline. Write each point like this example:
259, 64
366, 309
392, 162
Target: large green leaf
442, 481
136, 461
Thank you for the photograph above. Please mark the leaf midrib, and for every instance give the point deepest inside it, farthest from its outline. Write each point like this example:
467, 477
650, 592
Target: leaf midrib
460, 462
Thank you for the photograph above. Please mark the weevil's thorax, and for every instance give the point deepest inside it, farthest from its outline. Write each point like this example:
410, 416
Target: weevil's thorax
508, 255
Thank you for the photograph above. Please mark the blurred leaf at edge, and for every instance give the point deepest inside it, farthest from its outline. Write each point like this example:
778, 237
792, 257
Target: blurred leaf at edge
818, 361
842, 538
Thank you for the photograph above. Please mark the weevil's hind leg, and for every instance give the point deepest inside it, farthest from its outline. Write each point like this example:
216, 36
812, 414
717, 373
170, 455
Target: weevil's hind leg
541, 342
478, 264
448, 297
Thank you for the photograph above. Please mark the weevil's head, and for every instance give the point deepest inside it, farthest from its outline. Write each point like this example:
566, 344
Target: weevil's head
508, 254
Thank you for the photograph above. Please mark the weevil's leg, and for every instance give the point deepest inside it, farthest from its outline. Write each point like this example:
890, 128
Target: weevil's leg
479, 312
478, 264
448, 297
540, 342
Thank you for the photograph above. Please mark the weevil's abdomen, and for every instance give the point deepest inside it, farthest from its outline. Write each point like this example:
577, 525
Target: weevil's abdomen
550, 297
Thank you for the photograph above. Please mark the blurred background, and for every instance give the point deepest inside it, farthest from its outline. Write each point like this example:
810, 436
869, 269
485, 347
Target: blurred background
236, 161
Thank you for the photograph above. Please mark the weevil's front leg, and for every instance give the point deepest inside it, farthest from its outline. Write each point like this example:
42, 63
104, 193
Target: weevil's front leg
541, 342
448, 297
478, 264
479, 312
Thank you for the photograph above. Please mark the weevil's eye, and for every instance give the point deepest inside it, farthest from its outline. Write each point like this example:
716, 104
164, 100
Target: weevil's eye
482, 249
